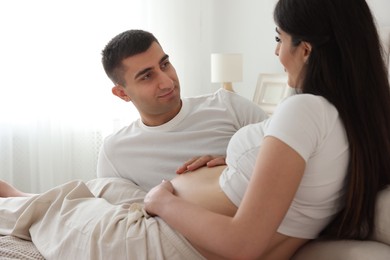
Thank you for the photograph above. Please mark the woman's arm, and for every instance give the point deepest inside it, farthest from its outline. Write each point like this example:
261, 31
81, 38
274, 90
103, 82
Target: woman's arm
275, 180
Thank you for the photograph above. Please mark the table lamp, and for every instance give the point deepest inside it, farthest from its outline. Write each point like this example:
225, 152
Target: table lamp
226, 68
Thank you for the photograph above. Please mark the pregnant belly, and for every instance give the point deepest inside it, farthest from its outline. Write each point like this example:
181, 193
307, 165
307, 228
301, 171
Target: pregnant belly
202, 187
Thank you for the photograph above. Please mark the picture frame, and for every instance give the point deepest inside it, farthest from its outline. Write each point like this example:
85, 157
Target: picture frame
270, 90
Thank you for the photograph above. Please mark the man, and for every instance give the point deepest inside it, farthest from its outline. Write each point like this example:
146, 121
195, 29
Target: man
170, 130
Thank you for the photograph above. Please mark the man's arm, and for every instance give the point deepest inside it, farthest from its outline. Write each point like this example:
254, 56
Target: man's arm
104, 166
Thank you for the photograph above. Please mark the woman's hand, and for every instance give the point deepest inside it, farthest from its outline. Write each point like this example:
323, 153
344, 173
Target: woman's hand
198, 162
157, 197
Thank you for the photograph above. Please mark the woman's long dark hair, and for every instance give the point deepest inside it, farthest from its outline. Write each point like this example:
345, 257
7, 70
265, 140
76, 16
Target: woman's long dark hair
346, 67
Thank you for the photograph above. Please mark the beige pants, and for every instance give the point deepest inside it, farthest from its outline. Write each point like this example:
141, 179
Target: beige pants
103, 219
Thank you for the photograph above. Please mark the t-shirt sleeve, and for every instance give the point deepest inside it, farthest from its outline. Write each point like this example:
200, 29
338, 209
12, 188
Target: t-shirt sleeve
298, 121
244, 110
104, 166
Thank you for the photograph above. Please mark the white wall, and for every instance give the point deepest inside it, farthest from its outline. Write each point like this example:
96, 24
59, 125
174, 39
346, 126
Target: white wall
381, 11
197, 28
184, 31
247, 27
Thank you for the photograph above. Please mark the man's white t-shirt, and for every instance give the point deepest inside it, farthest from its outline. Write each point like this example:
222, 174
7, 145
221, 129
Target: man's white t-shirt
147, 155
312, 127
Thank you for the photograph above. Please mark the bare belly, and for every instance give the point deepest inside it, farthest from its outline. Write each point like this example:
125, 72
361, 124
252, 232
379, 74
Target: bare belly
202, 187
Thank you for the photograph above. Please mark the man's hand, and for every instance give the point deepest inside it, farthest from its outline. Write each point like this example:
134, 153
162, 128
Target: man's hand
198, 162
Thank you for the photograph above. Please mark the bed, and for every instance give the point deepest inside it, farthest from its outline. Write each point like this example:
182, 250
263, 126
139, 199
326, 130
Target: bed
16, 248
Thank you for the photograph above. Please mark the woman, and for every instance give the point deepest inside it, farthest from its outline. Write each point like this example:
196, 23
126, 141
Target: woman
321, 157
333, 59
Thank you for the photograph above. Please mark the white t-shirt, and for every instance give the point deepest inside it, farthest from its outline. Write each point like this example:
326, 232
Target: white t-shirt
312, 127
147, 155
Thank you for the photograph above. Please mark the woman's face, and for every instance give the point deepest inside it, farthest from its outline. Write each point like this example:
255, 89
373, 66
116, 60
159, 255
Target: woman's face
292, 57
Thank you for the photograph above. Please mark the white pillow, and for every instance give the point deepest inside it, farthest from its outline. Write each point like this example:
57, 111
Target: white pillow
382, 217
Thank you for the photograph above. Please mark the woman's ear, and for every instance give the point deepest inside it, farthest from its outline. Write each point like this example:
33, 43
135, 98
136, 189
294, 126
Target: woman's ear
307, 50
119, 91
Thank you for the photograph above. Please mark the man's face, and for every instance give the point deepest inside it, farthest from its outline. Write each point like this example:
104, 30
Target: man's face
151, 83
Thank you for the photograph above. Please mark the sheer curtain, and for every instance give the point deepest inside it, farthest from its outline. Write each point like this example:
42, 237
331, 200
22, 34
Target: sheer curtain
55, 99
56, 104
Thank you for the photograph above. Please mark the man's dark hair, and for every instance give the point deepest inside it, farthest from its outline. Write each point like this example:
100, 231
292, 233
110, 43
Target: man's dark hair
122, 46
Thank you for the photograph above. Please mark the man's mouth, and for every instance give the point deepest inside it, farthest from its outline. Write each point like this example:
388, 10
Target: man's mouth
167, 94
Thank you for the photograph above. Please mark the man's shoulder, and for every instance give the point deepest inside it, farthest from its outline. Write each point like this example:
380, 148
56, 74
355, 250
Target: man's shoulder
201, 96
125, 131
198, 101
227, 100
219, 96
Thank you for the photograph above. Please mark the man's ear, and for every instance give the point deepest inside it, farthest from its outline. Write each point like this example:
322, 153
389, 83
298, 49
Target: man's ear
307, 50
119, 91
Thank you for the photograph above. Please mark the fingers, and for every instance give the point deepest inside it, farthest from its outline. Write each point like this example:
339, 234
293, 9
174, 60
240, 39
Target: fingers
155, 199
194, 164
216, 162
201, 161
184, 168
167, 185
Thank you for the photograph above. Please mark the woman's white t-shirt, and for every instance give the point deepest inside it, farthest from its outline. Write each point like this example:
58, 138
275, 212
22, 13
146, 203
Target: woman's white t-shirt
312, 127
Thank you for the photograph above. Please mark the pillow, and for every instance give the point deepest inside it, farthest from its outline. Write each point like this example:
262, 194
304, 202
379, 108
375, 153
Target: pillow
382, 217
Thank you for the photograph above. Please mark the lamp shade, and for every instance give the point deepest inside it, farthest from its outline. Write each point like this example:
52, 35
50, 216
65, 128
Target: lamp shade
226, 67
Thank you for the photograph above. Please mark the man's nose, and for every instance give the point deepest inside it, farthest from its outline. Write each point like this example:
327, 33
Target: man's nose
164, 80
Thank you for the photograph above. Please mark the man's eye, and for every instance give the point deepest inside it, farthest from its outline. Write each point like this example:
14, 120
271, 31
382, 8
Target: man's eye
165, 64
277, 39
146, 76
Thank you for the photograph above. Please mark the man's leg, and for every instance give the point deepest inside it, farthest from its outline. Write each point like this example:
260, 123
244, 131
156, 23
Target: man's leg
7, 190
116, 190
10, 211
69, 222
